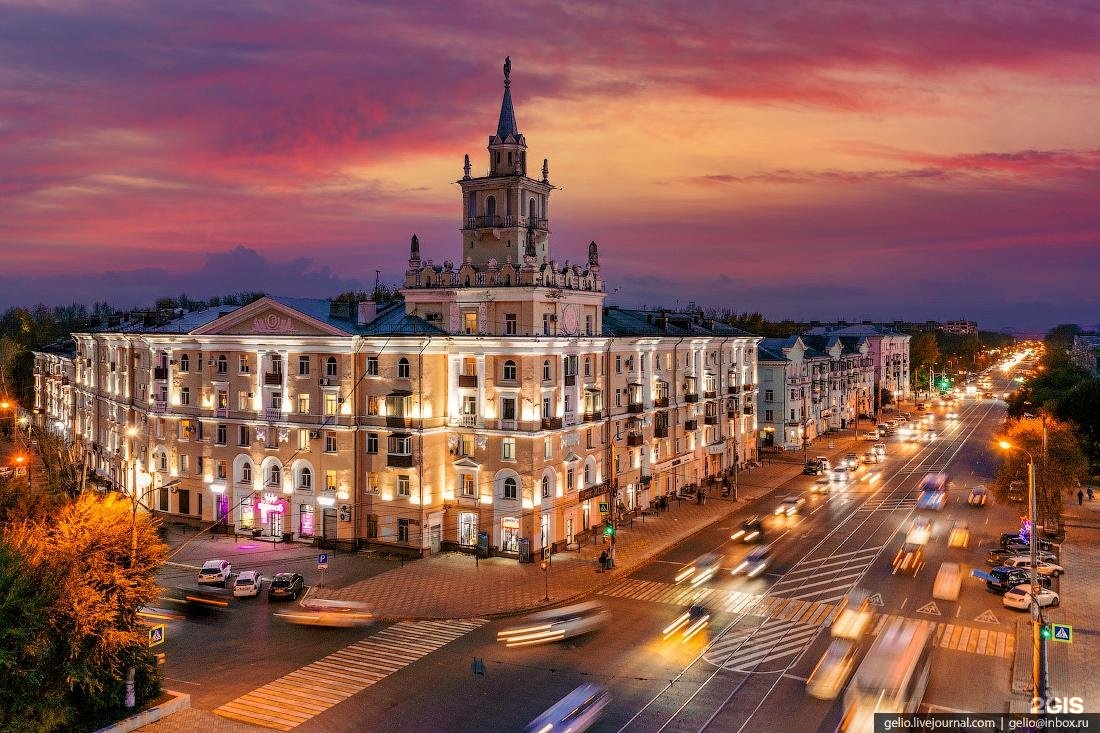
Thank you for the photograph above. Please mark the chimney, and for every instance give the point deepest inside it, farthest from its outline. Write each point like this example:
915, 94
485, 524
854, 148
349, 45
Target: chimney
368, 311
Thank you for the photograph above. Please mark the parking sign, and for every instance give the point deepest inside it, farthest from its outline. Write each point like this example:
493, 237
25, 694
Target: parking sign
322, 561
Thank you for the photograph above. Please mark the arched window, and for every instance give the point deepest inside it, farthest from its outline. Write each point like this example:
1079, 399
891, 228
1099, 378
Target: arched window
587, 474
403, 368
511, 488
246, 473
510, 371
587, 367
532, 212
471, 207
330, 367
546, 371
305, 479
545, 487
274, 475
223, 364
185, 363
491, 209
162, 461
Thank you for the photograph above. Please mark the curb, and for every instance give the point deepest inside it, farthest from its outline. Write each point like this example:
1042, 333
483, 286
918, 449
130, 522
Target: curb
180, 701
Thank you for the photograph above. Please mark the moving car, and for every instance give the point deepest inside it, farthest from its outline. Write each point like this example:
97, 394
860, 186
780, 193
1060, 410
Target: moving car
840, 475
978, 496
833, 670
286, 585
959, 536
951, 415
215, 572
1017, 491
933, 491
752, 530
701, 570
755, 564
948, 582
851, 460
248, 584
812, 468
318, 612
790, 505
821, 486
920, 531
855, 617
556, 624
576, 712
1020, 597
1024, 561
688, 624
909, 559
872, 435
879, 448
871, 457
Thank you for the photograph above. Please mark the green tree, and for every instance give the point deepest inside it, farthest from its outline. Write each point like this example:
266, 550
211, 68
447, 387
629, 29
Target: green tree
1056, 473
923, 354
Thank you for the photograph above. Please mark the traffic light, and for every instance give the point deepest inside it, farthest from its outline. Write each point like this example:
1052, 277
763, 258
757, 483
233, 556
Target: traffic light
608, 529
1045, 632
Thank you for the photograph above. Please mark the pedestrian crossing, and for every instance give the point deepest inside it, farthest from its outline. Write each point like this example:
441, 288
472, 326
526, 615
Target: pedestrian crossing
826, 579
961, 638
770, 647
307, 692
888, 504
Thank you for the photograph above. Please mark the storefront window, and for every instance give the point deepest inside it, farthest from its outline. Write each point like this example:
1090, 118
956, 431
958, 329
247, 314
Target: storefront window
248, 517
509, 534
467, 528
305, 521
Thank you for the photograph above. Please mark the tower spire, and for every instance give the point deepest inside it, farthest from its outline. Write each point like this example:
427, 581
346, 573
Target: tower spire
506, 125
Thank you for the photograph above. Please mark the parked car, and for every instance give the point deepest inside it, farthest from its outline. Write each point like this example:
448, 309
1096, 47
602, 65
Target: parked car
1004, 579
1024, 561
997, 557
812, 468
215, 572
979, 495
1014, 541
825, 465
248, 584
1020, 597
286, 585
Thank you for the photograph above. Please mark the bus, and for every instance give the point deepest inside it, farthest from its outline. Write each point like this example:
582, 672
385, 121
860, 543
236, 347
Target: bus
892, 677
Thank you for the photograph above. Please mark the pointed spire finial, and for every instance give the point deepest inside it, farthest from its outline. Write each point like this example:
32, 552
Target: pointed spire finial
593, 254
545, 170
414, 249
507, 70
466, 167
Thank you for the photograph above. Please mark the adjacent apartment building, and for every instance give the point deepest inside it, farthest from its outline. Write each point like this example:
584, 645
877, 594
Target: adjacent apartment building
501, 402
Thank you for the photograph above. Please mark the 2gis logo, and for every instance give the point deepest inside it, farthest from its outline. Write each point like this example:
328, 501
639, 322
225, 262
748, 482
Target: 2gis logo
1055, 705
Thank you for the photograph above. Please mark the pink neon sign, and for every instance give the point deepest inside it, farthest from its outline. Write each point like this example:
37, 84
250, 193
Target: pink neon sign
269, 504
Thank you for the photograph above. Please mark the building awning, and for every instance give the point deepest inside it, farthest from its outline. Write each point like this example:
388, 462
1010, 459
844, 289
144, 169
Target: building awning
588, 388
400, 393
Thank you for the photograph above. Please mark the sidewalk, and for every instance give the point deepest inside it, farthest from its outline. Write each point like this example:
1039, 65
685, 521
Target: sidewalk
456, 585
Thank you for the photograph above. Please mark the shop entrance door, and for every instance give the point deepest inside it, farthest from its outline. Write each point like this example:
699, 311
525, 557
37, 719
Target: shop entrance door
569, 530
276, 524
436, 534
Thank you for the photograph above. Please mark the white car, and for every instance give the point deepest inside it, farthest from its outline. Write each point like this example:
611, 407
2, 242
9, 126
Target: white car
248, 584
790, 505
215, 572
951, 415
879, 448
871, 457
1020, 597
1024, 561
840, 475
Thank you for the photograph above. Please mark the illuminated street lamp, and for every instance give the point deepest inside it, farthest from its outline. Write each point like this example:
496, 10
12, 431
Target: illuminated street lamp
1038, 669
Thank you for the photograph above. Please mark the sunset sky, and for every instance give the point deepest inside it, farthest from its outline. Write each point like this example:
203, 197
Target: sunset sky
924, 160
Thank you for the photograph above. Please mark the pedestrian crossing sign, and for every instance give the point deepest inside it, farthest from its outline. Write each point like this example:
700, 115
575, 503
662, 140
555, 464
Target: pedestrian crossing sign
1062, 632
156, 634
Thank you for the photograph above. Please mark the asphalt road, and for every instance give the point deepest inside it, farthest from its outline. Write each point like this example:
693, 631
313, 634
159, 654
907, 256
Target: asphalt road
746, 672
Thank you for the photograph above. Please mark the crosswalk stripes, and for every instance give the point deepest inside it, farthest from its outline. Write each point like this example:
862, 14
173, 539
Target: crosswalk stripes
970, 639
826, 579
888, 504
763, 649
316, 687
657, 592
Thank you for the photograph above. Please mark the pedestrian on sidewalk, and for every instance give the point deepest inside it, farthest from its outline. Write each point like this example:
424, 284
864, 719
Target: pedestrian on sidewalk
1090, 493
603, 560
1080, 497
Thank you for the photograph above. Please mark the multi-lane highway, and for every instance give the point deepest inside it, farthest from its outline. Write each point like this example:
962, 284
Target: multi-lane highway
748, 670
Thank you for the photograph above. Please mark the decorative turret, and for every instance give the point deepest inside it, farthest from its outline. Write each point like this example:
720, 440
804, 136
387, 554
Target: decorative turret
593, 255
466, 168
414, 252
545, 170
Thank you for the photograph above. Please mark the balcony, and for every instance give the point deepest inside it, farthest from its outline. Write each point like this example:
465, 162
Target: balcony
592, 416
399, 460
570, 418
466, 420
710, 394
273, 379
691, 397
733, 389
221, 412
394, 421
467, 380
160, 372
732, 413
748, 409
660, 401
634, 439
690, 425
551, 423
710, 419
274, 414
570, 380
160, 406
635, 407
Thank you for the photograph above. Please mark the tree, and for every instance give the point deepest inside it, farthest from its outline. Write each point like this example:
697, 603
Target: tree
923, 353
1058, 342
1055, 474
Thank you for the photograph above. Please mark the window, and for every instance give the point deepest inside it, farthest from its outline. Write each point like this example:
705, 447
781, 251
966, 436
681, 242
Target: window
330, 367
545, 324
372, 442
277, 401
373, 405
509, 324
548, 449
303, 365
508, 408
587, 474
403, 486
570, 480
330, 479
403, 368
618, 364
244, 400
403, 526
545, 487
221, 435
400, 445
242, 364
330, 442
221, 470
185, 363
469, 321
274, 475
276, 364
242, 436
246, 473
546, 408
546, 371
182, 463
587, 367
466, 445
303, 403
588, 325
618, 398
508, 449
769, 416
223, 364
372, 366
588, 438
511, 488
332, 403
769, 395
305, 479
303, 439
185, 396
467, 485
509, 371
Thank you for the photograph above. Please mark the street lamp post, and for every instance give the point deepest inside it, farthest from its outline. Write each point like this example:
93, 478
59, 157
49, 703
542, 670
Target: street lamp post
1038, 646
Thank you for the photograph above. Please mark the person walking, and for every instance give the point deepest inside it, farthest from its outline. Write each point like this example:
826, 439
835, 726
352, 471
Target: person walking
1089, 491
603, 560
1080, 497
